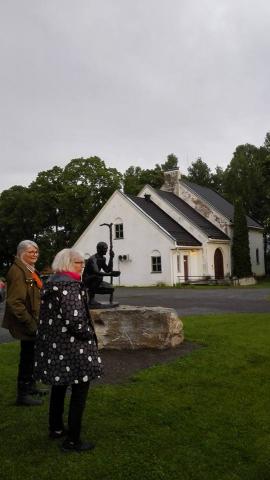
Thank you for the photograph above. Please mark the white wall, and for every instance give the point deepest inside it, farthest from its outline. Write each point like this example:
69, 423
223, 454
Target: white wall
226, 252
195, 264
141, 238
201, 262
256, 241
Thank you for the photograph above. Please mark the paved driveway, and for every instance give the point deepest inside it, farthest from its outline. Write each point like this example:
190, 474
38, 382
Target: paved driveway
189, 301
198, 301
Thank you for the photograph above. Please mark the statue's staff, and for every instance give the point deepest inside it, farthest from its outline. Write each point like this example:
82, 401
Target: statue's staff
111, 246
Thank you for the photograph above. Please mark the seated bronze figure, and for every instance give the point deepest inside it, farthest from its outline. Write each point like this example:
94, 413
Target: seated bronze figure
95, 270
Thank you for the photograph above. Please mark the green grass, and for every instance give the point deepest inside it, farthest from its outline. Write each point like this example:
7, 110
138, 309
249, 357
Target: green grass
205, 416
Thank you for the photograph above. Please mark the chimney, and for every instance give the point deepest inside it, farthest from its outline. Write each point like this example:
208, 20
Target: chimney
147, 197
171, 181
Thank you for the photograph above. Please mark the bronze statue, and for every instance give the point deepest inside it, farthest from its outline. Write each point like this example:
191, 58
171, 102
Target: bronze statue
95, 269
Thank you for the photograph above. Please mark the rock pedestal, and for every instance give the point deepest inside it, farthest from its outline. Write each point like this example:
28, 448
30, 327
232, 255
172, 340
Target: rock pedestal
133, 328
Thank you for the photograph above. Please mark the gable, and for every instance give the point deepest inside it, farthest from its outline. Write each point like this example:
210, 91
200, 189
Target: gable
219, 203
119, 204
181, 236
208, 228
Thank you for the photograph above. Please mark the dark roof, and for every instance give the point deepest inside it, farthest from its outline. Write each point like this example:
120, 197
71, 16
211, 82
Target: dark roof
181, 235
217, 201
196, 218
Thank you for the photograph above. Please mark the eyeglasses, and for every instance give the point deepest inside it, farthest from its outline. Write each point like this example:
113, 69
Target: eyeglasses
81, 262
31, 252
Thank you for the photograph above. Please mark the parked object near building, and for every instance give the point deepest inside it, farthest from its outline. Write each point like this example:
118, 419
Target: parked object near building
181, 233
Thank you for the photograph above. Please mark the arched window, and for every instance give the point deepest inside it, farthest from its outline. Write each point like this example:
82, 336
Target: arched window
118, 229
257, 256
156, 262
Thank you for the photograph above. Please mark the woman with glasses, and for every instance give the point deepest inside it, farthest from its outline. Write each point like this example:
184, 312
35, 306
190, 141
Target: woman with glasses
66, 348
21, 316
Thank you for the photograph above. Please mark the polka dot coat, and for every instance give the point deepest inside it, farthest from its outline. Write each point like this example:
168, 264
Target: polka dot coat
66, 347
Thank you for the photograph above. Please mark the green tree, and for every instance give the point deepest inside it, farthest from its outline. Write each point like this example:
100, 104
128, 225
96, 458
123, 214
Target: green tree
240, 245
199, 173
48, 191
171, 163
17, 221
217, 180
88, 184
131, 180
243, 179
68, 199
135, 178
267, 142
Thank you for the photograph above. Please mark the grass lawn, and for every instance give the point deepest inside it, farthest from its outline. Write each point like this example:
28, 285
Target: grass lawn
205, 416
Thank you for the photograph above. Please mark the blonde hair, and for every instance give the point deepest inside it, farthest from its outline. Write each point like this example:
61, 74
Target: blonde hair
64, 259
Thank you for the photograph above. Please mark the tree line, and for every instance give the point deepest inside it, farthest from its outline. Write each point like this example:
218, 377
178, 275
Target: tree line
61, 202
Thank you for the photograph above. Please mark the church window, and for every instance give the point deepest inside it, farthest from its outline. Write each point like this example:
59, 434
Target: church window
156, 264
119, 231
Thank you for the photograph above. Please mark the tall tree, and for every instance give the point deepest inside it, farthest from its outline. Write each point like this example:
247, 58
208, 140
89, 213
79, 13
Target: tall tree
68, 199
243, 179
135, 178
132, 180
17, 221
171, 163
217, 180
88, 185
48, 190
240, 245
267, 141
200, 173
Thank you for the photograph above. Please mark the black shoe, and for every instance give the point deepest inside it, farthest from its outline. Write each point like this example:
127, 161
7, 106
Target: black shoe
69, 446
28, 401
54, 434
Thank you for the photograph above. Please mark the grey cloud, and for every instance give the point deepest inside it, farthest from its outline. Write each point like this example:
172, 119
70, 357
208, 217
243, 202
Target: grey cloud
130, 82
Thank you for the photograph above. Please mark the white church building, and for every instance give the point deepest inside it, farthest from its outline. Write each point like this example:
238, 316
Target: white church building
180, 233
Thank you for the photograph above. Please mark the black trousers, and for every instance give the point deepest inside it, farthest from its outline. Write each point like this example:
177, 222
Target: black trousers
77, 403
26, 363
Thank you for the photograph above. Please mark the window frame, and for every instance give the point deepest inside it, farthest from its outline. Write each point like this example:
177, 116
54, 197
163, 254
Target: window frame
257, 256
118, 231
156, 262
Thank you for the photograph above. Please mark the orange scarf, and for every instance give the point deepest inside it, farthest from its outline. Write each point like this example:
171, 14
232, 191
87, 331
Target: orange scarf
37, 279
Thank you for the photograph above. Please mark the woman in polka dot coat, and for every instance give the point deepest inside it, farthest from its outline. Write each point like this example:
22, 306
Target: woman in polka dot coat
66, 347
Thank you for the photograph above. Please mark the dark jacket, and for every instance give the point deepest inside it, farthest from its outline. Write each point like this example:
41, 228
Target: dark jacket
66, 344
23, 302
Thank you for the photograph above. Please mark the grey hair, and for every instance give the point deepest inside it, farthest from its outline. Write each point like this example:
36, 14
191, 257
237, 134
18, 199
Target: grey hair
63, 260
23, 245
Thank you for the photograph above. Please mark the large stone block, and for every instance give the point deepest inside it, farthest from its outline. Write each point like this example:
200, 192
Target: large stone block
128, 327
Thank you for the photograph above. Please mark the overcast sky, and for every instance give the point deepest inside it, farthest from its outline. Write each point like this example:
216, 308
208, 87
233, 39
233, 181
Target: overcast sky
130, 81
